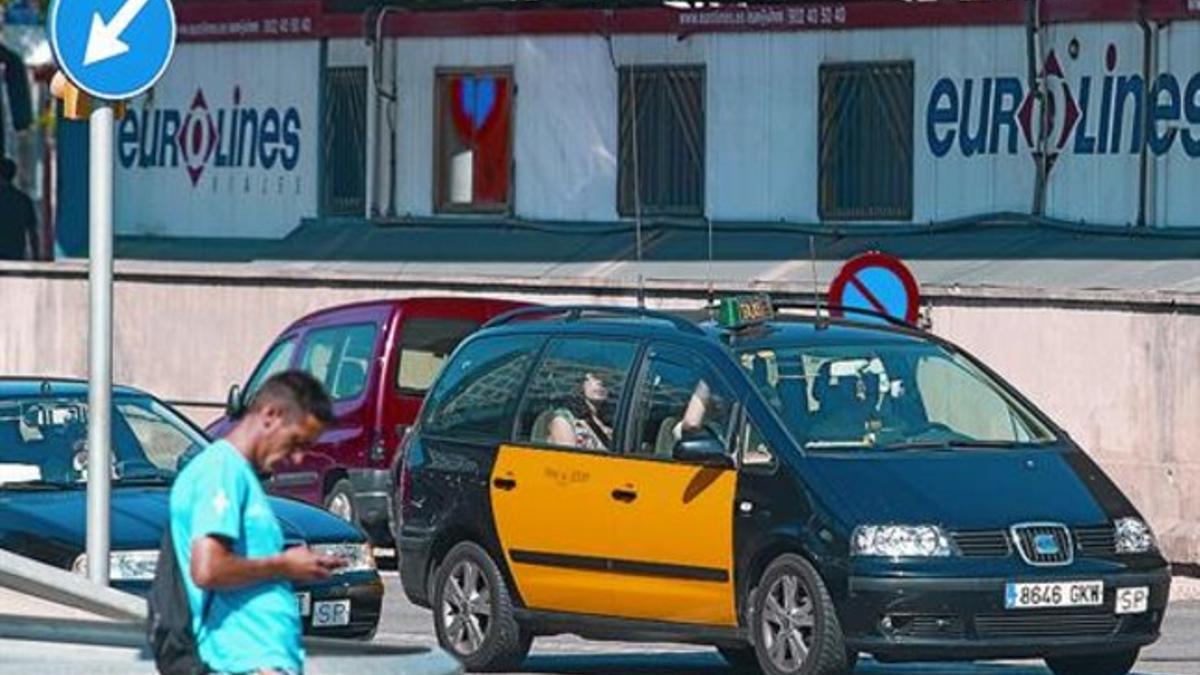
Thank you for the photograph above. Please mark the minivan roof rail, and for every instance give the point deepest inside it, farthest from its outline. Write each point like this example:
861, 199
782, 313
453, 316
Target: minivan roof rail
822, 309
577, 312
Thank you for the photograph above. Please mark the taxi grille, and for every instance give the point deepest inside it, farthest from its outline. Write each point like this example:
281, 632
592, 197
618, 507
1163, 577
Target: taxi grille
1044, 544
1047, 624
1096, 541
982, 543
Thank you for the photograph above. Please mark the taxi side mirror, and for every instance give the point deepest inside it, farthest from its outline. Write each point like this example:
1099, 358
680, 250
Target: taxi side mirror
704, 450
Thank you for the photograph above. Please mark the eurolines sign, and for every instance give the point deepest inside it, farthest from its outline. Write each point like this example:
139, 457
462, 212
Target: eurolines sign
229, 146
1087, 115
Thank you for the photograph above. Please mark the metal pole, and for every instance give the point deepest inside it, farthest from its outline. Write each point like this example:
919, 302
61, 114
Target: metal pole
100, 265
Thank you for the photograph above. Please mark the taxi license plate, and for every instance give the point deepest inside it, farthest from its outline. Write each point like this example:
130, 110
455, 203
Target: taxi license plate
1058, 594
331, 613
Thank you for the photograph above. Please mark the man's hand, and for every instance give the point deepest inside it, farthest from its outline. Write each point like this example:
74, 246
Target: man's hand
301, 564
216, 567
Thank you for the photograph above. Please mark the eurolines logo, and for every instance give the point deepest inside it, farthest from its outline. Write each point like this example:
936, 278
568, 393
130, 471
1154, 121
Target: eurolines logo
1087, 116
202, 138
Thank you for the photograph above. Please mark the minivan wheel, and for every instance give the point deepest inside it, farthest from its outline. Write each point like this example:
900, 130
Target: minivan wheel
473, 612
795, 623
1119, 663
340, 501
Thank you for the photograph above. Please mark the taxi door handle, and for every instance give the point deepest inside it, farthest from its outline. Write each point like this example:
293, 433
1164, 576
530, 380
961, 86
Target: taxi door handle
504, 483
624, 495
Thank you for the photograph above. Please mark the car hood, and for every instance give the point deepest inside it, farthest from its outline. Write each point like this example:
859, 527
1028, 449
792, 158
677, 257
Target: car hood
138, 517
968, 489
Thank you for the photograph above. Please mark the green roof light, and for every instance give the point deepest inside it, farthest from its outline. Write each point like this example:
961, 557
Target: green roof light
740, 311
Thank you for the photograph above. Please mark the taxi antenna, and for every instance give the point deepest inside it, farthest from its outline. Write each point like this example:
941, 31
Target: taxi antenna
637, 178
812, 257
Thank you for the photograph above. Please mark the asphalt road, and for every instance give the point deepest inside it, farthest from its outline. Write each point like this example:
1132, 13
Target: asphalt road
1178, 653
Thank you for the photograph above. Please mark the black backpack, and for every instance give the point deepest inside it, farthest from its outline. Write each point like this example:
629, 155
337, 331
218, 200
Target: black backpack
169, 624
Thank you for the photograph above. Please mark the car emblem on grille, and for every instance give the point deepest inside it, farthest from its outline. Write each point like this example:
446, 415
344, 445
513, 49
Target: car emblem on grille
1043, 544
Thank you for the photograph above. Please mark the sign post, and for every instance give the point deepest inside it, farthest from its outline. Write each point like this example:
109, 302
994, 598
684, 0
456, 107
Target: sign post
876, 283
113, 50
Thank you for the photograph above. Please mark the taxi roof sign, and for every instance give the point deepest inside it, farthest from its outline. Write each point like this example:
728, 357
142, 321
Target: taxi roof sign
740, 311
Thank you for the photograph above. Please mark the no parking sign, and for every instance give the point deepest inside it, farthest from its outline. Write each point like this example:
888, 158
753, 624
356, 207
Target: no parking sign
876, 282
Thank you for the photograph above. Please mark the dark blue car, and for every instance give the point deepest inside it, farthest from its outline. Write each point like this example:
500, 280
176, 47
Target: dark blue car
43, 499
794, 491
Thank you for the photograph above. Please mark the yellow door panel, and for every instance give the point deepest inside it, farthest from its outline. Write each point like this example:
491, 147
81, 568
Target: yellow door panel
554, 507
679, 529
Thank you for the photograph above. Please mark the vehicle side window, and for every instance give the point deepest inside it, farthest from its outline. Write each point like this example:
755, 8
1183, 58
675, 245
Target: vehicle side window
679, 396
475, 396
574, 393
276, 361
425, 344
340, 358
954, 398
755, 451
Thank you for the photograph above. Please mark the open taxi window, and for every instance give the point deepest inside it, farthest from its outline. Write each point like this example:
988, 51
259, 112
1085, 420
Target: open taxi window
678, 397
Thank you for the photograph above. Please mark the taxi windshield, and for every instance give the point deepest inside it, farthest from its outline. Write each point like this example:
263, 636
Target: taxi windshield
890, 396
43, 440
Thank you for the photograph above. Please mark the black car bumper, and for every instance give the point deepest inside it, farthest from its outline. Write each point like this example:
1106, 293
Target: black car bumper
955, 619
364, 590
373, 502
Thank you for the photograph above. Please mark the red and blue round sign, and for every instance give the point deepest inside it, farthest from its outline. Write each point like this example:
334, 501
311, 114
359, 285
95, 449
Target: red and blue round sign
876, 282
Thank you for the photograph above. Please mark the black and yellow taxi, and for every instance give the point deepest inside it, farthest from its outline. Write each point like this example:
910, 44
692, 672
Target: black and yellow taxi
794, 490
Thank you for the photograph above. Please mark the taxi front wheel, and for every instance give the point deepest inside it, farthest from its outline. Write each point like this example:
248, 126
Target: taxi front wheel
473, 612
795, 623
1098, 664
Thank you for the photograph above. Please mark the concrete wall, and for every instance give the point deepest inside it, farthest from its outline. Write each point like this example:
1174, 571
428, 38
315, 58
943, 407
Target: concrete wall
1120, 380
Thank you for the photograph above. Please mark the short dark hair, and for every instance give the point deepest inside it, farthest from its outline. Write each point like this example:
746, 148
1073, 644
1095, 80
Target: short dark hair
296, 392
8, 170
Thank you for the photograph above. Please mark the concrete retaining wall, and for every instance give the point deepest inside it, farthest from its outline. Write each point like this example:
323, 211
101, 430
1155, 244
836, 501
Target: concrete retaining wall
1116, 370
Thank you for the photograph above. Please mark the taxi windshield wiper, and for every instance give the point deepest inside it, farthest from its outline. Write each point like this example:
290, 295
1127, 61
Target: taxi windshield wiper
958, 443
148, 476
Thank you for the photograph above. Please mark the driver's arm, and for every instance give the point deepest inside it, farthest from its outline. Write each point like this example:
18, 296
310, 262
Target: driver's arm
697, 408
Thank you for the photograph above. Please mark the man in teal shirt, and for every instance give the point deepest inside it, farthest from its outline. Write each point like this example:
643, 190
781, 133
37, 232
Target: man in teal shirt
229, 543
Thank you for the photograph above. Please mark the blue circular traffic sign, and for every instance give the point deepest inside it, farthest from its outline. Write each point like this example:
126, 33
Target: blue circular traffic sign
876, 283
112, 49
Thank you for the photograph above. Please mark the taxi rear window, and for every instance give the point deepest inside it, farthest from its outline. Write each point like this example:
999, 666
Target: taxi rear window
890, 396
475, 396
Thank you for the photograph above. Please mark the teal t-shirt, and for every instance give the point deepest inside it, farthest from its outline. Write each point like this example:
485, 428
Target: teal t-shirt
253, 627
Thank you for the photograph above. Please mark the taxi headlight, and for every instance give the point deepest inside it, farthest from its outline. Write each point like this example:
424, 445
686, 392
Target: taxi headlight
123, 565
1133, 535
358, 557
900, 541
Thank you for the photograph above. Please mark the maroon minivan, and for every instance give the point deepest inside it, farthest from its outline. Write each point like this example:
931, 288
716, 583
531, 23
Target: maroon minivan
376, 359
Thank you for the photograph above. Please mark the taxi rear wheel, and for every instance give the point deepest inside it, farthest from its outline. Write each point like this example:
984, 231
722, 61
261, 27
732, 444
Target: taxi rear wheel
473, 612
1099, 664
795, 623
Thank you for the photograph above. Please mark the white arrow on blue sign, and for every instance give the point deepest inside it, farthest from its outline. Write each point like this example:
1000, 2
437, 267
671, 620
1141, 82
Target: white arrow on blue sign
112, 49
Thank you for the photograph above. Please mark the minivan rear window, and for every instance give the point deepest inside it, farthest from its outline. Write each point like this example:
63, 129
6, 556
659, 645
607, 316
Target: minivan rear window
425, 344
475, 397
890, 397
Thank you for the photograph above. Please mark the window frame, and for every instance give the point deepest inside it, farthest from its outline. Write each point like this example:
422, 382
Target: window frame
620, 411
746, 426
440, 191
840, 213
700, 207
